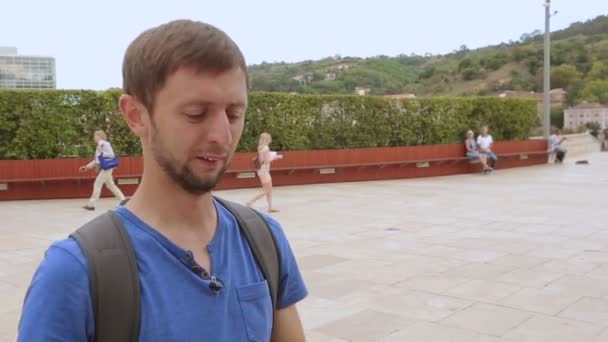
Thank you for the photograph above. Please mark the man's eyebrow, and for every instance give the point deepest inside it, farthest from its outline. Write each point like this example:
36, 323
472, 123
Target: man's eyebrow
194, 103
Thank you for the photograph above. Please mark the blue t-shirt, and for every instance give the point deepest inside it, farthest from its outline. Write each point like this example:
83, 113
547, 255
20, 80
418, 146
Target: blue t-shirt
176, 301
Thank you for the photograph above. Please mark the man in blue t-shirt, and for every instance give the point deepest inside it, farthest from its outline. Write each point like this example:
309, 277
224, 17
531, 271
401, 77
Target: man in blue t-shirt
185, 96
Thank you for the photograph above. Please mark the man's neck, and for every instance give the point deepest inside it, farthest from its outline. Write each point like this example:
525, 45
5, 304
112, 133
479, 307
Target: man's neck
165, 206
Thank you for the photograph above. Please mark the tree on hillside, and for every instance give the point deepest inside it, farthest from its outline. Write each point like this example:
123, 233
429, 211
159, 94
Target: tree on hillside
599, 71
598, 25
494, 62
527, 36
564, 76
595, 91
579, 55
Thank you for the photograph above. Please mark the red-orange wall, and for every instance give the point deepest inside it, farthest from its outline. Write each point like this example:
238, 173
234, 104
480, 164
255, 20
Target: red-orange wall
59, 178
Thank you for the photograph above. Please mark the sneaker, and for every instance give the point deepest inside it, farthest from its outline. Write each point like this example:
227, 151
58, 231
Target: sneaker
88, 207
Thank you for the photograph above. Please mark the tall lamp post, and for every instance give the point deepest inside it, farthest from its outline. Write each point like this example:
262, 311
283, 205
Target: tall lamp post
547, 73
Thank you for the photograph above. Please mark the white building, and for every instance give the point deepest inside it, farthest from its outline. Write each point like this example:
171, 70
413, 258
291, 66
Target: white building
330, 76
25, 72
400, 96
582, 114
362, 91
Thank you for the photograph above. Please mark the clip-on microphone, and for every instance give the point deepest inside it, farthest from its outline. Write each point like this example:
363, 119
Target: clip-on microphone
215, 285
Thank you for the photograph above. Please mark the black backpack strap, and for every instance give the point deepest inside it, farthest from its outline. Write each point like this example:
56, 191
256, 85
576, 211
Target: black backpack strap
113, 278
262, 244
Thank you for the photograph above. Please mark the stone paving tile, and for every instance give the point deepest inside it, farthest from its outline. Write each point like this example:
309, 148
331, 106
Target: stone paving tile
430, 332
383, 272
419, 305
571, 267
11, 298
594, 310
367, 325
316, 312
488, 338
578, 233
480, 271
434, 283
9, 321
550, 329
530, 278
314, 336
332, 288
600, 271
554, 252
480, 255
519, 261
488, 319
592, 256
483, 290
602, 337
583, 285
545, 300
312, 262
418, 265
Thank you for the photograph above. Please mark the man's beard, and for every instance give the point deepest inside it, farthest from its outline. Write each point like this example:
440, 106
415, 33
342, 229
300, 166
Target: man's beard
183, 175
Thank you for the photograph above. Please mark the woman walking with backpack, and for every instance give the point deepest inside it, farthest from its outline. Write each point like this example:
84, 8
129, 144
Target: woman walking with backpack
264, 159
105, 162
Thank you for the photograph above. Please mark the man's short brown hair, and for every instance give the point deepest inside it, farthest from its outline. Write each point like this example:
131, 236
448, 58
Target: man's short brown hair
158, 52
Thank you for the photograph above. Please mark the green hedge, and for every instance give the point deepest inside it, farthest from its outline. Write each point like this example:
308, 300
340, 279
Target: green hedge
60, 123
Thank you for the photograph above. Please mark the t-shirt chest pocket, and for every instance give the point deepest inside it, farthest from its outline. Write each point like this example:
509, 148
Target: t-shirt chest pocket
256, 308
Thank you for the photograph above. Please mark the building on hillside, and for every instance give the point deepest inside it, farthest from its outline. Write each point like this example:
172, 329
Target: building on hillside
362, 91
558, 95
25, 72
330, 76
303, 79
557, 98
582, 114
400, 96
523, 94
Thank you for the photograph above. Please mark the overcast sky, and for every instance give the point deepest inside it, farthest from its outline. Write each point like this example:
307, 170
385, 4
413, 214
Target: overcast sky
88, 38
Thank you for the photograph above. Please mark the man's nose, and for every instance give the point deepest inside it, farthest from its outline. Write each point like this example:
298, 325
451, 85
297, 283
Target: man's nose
218, 128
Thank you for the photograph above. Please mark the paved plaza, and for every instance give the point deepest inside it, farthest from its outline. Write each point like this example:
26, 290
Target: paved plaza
521, 255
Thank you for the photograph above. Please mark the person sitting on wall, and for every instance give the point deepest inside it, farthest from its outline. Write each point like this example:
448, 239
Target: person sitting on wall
555, 145
472, 152
485, 142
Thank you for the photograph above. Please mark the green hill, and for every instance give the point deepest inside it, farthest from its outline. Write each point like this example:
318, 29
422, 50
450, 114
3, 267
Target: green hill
579, 56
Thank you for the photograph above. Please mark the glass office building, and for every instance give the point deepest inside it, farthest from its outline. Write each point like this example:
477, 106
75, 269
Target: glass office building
25, 72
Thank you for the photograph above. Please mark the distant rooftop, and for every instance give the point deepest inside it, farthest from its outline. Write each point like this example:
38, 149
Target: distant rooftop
590, 106
12, 51
8, 51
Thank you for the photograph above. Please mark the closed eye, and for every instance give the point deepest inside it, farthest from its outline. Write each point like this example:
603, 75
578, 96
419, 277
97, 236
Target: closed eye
233, 116
195, 115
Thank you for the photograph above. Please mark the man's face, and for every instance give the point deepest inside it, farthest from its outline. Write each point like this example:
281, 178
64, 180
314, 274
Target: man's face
484, 130
196, 125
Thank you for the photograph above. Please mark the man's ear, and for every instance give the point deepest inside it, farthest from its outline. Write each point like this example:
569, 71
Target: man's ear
135, 114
